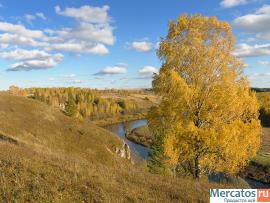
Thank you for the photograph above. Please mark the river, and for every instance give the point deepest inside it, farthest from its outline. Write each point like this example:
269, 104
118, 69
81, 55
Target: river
120, 129
142, 152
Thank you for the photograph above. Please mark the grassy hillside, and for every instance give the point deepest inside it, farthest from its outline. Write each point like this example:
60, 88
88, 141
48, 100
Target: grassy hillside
48, 157
33, 123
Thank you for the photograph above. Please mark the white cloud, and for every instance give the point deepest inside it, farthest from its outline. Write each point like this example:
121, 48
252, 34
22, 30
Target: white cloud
252, 22
4, 46
68, 47
22, 54
31, 59
259, 79
84, 32
265, 9
261, 74
99, 49
89, 32
41, 15
74, 81
257, 23
245, 50
20, 30
72, 75
86, 13
141, 46
20, 40
148, 70
34, 65
35, 49
246, 65
49, 31
92, 32
264, 63
250, 39
98, 78
80, 47
29, 18
113, 70
93, 24
232, 3
68, 78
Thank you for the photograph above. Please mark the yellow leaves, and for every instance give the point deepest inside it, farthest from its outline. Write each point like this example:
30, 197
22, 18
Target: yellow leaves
207, 109
171, 150
239, 142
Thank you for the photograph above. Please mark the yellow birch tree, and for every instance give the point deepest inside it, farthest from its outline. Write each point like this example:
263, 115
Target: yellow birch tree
208, 114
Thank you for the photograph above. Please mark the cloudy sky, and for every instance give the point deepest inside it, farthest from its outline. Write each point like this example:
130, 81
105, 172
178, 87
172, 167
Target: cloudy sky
100, 44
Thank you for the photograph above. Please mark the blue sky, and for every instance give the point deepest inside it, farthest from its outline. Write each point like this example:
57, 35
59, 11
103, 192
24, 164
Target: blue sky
112, 44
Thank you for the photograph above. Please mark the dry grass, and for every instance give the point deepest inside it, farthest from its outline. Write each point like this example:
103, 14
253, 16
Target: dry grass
36, 124
28, 176
57, 159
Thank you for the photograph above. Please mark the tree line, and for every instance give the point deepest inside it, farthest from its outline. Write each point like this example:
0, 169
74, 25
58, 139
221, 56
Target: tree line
264, 100
82, 102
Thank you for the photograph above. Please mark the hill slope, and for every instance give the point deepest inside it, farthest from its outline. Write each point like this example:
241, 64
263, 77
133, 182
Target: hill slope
48, 157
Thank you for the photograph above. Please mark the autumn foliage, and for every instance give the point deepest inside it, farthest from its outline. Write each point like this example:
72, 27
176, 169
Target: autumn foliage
208, 115
84, 102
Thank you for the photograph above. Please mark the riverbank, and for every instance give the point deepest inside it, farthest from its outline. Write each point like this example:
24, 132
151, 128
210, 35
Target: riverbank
140, 135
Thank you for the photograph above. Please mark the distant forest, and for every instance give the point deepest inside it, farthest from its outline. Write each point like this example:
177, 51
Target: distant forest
256, 89
86, 102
